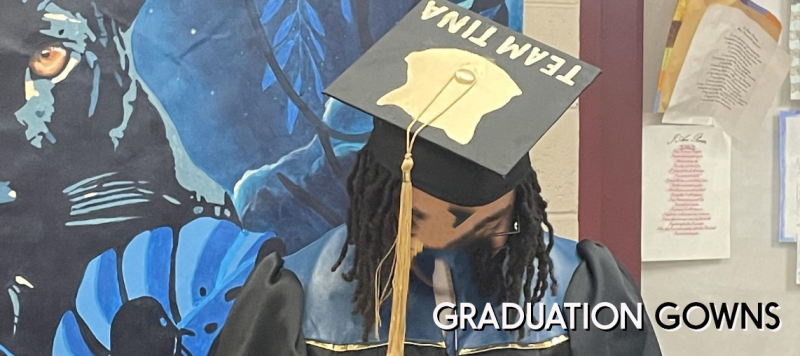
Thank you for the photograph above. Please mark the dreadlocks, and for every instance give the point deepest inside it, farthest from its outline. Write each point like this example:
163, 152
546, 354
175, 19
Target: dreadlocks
372, 226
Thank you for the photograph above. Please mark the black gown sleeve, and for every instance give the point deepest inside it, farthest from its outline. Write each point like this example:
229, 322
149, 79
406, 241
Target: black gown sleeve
601, 278
267, 316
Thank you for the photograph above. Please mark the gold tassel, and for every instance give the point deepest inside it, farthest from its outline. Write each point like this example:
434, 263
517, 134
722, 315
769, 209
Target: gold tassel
404, 253
380, 296
405, 248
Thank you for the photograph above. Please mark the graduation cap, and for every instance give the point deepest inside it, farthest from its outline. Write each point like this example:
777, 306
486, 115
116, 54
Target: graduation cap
459, 100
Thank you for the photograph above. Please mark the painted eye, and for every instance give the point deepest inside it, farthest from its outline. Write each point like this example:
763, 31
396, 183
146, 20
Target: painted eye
49, 61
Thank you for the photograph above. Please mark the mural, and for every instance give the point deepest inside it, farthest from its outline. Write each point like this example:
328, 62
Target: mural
152, 151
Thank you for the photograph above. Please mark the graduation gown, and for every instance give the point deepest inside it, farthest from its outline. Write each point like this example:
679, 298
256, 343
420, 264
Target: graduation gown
298, 307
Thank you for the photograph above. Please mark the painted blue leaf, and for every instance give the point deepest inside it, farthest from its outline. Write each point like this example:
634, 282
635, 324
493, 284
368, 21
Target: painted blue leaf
283, 52
146, 266
212, 258
68, 340
269, 78
283, 30
317, 76
317, 81
214, 310
298, 81
270, 10
234, 269
347, 12
467, 4
98, 296
313, 18
210, 272
243, 251
200, 250
291, 115
491, 12
291, 110
318, 47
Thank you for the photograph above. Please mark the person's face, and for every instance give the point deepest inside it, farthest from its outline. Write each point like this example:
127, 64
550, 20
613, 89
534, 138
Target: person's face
439, 224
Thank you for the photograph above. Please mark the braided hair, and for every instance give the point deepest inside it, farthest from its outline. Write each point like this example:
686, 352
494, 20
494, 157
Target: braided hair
372, 225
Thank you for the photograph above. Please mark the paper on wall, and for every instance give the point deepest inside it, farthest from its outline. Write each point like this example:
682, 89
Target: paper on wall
685, 21
794, 49
686, 174
730, 76
789, 153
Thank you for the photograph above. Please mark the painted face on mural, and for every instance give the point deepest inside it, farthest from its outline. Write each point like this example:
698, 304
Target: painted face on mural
61, 65
49, 65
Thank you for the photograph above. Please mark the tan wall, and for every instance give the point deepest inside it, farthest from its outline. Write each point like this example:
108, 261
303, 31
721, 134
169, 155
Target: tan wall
555, 157
760, 269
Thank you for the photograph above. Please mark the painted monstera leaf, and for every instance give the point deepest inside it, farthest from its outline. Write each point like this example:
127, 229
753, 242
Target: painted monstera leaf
157, 298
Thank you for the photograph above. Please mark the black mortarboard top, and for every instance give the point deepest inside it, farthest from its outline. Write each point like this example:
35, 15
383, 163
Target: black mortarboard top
478, 94
473, 152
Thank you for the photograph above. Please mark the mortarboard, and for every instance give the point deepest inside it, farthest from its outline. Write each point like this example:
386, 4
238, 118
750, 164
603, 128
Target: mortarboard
469, 98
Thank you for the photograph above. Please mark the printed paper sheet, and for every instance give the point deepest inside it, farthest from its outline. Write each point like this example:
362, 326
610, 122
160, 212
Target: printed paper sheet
790, 176
794, 49
685, 193
731, 74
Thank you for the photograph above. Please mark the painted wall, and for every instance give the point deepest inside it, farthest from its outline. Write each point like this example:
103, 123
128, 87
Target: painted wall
152, 150
760, 269
555, 157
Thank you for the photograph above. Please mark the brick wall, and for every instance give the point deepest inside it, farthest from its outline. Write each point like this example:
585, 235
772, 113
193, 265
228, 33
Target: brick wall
555, 157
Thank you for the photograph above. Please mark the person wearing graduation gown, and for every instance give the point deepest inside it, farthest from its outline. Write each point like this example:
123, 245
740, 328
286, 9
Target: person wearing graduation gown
459, 115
